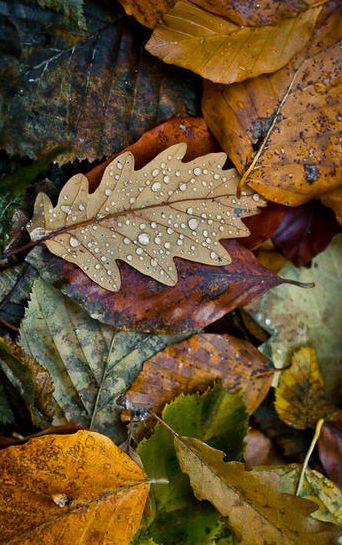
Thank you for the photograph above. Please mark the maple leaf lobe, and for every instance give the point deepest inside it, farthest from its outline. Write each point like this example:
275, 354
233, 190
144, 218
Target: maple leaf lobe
146, 217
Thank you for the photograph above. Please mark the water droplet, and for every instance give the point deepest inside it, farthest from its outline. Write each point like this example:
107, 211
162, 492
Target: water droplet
103, 258
139, 251
178, 173
179, 242
156, 186
109, 272
65, 209
157, 240
213, 255
129, 257
167, 245
170, 231
154, 262
153, 225
166, 179
182, 187
97, 266
189, 211
74, 242
119, 165
108, 192
197, 171
143, 238
126, 240
256, 197
155, 172
193, 223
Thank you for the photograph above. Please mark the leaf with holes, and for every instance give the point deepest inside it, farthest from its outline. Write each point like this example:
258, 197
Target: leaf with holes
146, 217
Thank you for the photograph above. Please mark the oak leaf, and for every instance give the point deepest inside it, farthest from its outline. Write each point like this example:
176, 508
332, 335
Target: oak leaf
301, 158
255, 507
146, 218
223, 52
300, 396
70, 489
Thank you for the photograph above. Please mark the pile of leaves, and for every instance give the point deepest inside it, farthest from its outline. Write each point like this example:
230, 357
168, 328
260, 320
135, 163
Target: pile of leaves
171, 203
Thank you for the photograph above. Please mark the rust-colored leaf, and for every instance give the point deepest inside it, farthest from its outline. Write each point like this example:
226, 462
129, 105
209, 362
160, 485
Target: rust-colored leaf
147, 12
223, 52
145, 217
202, 295
301, 159
70, 489
330, 448
305, 231
194, 364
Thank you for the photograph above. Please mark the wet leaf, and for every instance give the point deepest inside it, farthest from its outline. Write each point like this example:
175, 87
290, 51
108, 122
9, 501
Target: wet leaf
85, 489
93, 91
71, 9
301, 158
203, 293
224, 52
215, 416
145, 217
15, 286
194, 364
310, 317
305, 231
89, 363
300, 397
31, 381
251, 501
147, 13
330, 448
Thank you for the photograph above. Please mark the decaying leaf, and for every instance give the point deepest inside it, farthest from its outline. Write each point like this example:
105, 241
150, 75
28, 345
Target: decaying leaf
89, 363
310, 319
70, 489
224, 52
330, 448
300, 397
301, 159
255, 508
202, 295
94, 91
194, 364
146, 218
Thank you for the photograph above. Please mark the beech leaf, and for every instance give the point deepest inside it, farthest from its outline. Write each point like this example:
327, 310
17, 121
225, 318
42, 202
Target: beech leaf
146, 218
223, 52
255, 507
70, 489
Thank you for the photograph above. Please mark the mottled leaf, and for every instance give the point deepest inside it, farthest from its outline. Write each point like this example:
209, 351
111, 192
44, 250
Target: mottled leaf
194, 364
145, 217
202, 295
300, 396
93, 91
305, 231
251, 500
224, 52
89, 363
70, 489
311, 317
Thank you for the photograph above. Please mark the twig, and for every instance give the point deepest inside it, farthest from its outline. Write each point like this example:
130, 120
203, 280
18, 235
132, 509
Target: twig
307, 457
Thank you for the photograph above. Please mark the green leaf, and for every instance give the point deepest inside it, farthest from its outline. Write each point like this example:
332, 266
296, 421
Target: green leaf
218, 417
89, 363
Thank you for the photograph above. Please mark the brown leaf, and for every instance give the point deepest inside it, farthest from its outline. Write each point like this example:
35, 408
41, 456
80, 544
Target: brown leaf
145, 217
93, 91
194, 364
305, 231
70, 489
330, 448
260, 450
301, 158
300, 397
149, 12
202, 295
258, 513
224, 52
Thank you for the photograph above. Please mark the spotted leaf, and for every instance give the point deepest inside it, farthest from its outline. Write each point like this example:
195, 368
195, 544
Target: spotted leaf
146, 217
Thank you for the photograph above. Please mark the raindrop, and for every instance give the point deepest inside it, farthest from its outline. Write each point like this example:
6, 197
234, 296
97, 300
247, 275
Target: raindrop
139, 251
156, 186
155, 172
74, 242
108, 192
143, 238
193, 223
97, 266
129, 257
126, 240
189, 211
182, 187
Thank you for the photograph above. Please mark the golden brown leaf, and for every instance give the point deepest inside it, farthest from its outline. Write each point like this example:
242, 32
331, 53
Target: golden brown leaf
147, 12
70, 489
301, 159
224, 52
258, 513
145, 217
300, 397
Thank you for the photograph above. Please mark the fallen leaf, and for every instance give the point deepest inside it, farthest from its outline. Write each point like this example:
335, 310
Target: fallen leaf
251, 501
259, 450
15, 286
94, 91
300, 396
305, 231
6, 411
70, 489
72, 11
330, 448
300, 160
147, 13
89, 363
30, 380
309, 318
196, 363
315, 487
263, 225
264, 12
145, 217
223, 52
203, 293
215, 416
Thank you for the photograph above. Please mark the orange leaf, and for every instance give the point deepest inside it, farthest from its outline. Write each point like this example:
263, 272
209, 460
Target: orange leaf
70, 489
224, 52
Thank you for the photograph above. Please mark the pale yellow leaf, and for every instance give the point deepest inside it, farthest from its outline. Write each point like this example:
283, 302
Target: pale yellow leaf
146, 217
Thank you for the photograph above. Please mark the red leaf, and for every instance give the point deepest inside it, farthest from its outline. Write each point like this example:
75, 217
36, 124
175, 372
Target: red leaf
330, 448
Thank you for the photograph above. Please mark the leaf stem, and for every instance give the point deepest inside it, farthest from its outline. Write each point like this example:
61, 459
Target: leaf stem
307, 457
306, 285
